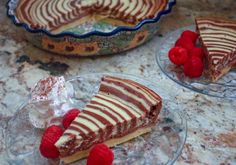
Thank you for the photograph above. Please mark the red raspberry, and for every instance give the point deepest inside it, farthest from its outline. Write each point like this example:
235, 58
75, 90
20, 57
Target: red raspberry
47, 146
69, 117
185, 43
197, 52
178, 55
190, 34
193, 67
100, 154
179, 42
52, 129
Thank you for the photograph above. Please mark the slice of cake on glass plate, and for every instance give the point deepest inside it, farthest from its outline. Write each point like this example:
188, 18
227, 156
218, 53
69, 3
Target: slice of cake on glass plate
121, 110
218, 39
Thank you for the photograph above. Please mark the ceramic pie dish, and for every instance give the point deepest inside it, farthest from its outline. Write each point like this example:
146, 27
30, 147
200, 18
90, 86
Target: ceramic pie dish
59, 28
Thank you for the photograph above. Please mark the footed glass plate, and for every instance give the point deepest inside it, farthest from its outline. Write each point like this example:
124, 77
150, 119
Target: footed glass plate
225, 87
161, 146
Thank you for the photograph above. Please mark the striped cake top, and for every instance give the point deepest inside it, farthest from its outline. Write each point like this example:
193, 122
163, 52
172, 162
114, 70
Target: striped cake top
52, 15
219, 39
118, 101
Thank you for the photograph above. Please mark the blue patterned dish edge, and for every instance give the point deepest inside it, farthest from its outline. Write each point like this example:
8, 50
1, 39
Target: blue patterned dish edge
12, 16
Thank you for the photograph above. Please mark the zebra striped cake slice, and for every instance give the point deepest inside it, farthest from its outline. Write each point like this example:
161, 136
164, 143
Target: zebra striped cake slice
218, 38
120, 108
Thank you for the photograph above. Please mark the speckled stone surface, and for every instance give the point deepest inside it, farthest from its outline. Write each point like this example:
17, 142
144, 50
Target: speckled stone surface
211, 121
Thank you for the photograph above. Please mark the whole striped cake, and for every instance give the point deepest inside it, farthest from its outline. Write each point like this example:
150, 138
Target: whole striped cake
120, 111
218, 38
58, 15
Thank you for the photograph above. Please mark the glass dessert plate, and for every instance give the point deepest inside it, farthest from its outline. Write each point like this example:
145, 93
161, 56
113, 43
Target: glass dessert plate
162, 146
225, 87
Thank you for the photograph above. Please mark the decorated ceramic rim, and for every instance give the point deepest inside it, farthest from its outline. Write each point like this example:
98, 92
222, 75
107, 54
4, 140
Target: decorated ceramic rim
12, 16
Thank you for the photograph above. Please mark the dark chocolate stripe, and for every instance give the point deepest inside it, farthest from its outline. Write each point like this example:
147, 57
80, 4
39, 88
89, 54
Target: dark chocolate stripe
121, 107
218, 39
114, 10
218, 33
101, 6
149, 4
129, 89
38, 8
216, 29
48, 13
127, 15
103, 111
59, 15
109, 108
148, 91
102, 133
102, 120
25, 13
226, 47
86, 118
95, 102
124, 97
117, 105
83, 125
224, 25
141, 87
128, 112
80, 132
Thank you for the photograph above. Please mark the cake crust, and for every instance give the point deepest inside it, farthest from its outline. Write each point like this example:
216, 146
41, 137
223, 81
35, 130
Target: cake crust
111, 143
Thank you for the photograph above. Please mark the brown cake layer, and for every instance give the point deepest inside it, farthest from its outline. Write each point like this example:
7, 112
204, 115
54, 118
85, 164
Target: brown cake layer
120, 108
54, 15
218, 38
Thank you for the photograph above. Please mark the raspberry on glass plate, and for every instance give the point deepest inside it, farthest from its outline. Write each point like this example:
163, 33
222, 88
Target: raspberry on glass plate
192, 74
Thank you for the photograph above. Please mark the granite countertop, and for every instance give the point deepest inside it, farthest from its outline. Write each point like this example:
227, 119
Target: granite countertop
211, 121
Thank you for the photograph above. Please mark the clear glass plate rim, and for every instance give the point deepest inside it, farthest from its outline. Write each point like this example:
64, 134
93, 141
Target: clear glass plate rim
140, 79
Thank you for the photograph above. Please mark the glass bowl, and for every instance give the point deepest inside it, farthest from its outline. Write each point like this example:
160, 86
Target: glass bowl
225, 87
91, 39
162, 146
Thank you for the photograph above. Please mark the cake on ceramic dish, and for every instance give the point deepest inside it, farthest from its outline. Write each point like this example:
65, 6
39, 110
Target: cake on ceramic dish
57, 16
218, 38
121, 110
